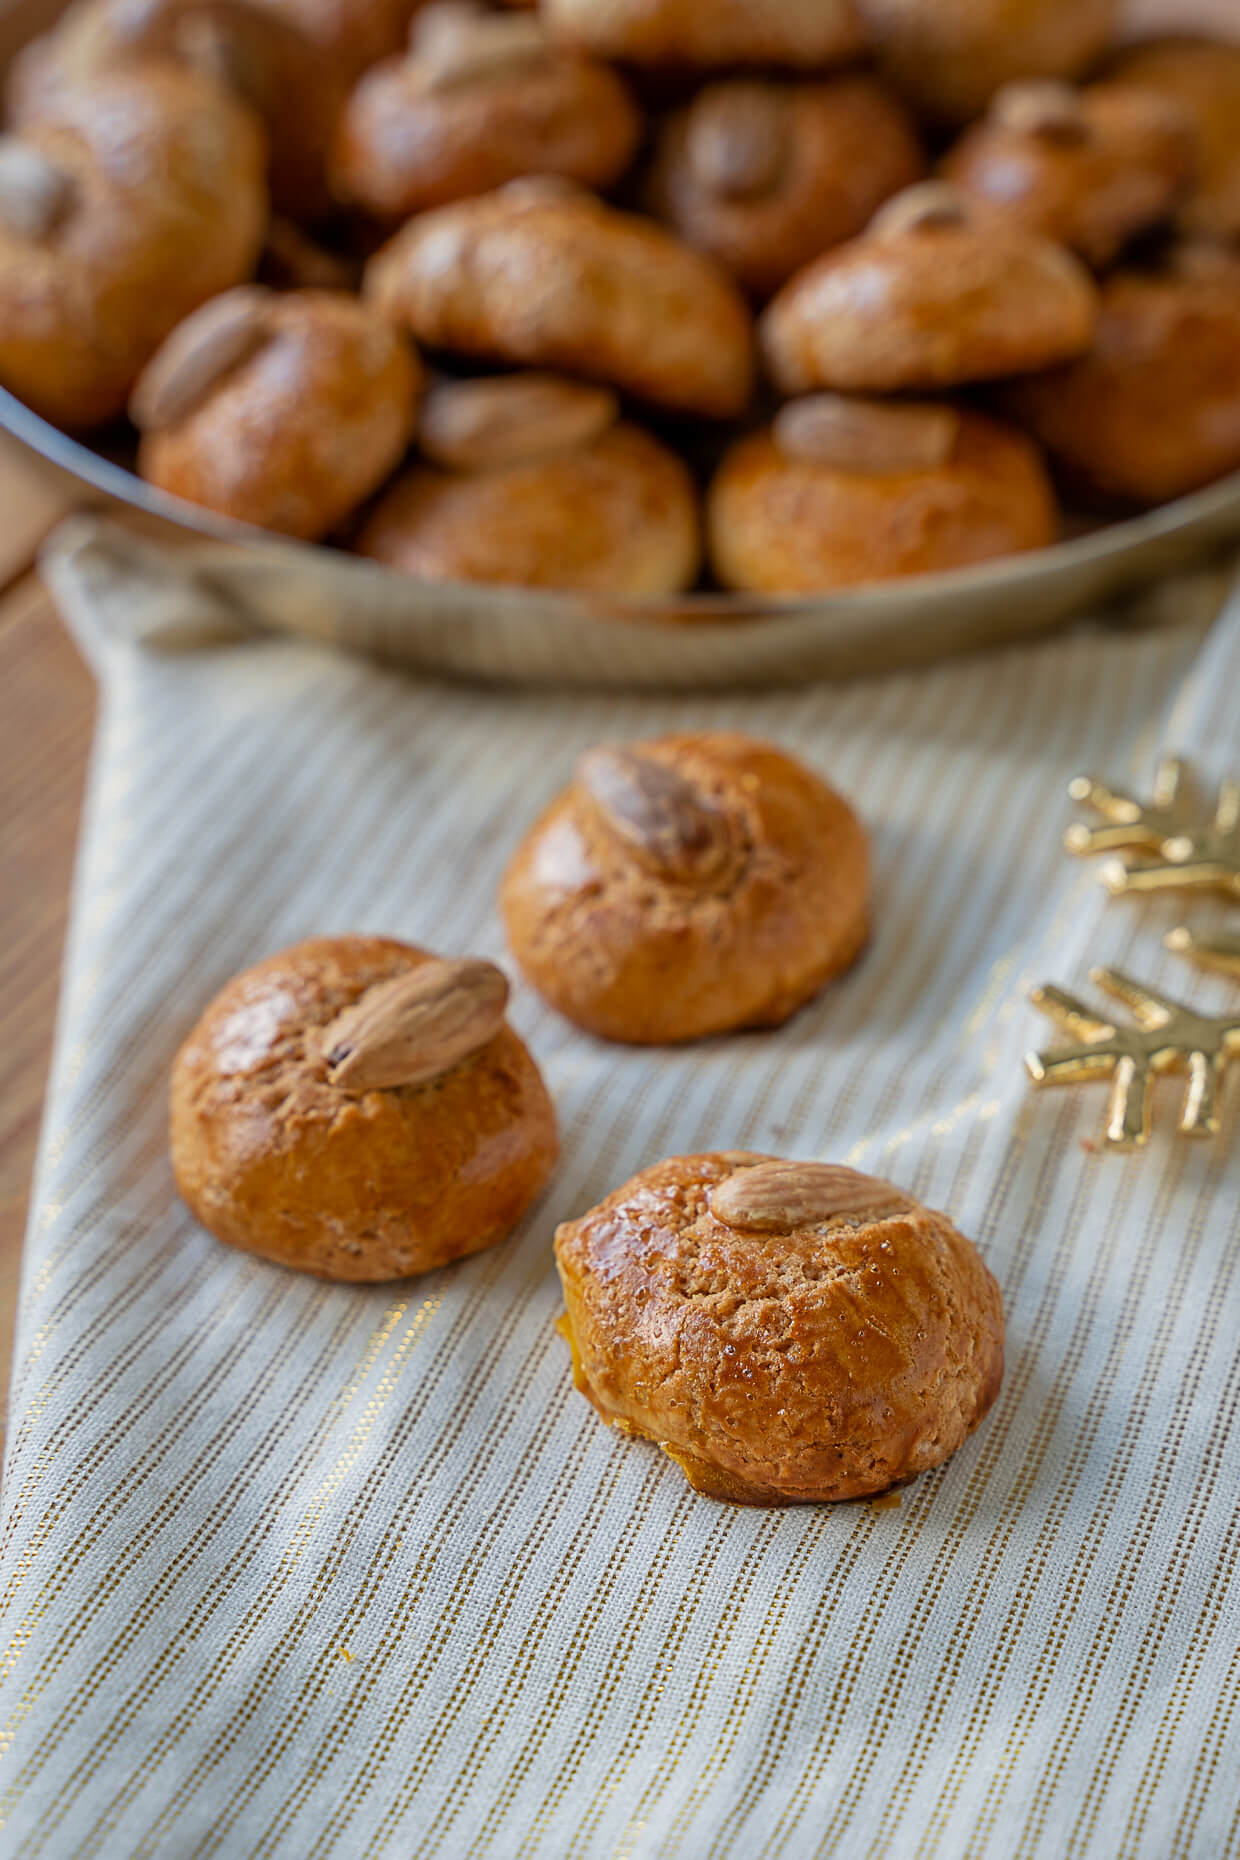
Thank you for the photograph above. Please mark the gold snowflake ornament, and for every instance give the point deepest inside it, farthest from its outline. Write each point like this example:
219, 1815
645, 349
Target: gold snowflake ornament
1168, 1037
1212, 952
1188, 845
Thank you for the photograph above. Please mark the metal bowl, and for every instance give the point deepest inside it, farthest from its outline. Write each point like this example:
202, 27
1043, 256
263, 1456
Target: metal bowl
523, 635
531, 636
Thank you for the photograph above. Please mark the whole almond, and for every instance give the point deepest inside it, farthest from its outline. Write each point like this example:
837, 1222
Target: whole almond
35, 195
776, 1197
655, 812
199, 353
508, 420
1041, 107
926, 207
738, 139
415, 1026
866, 435
456, 44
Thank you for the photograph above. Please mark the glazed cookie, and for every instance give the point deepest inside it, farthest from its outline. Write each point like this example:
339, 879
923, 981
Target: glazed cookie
261, 59
766, 175
711, 34
361, 1110
951, 56
544, 274
534, 479
1153, 411
686, 887
480, 99
1089, 168
787, 1332
279, 410
933, 294
129, 203
840, 492
1203, 79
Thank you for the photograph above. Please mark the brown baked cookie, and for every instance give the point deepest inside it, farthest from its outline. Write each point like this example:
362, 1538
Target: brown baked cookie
353, 33
1204, 79
765, 175
480, 99
258, 57
1153, 411
787, 1332
688, 886
933, 294
534, 479
951, 56
361, 1110
840, 492
544, 274
279, 410
1090, 168
802, 35
129, 203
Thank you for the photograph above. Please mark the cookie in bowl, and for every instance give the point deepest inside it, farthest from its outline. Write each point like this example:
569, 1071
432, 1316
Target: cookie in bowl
936, 292
1203, 79
841, 491
479, 99
130, 202
711, 34
949, 57
261, 59
543, 274
764, 175
360, 1109
787, 1332
1090, 168
282, 410
688, 886
535, 480
1152, 412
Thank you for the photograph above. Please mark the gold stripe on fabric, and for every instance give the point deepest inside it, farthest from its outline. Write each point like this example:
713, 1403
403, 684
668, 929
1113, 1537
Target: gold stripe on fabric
352, 1388
1076, 1582
104, 1742
391, 1540
1054, 1764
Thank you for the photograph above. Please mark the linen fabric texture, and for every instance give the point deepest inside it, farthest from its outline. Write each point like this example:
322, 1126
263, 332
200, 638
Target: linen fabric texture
299, 1569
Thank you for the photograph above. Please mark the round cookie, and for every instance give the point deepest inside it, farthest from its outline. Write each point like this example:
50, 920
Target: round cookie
279, 410
259, 58
129, 203
787, 1332
935, 293
1153, 410
533, 479
1203, 78
361, 1110
841, 492
711, 34
544, 274
951, 56
480, 99
766, 175
1090, 168
688, 886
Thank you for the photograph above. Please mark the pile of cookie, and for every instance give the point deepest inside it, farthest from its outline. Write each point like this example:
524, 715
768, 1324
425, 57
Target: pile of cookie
355, 1107
621, 295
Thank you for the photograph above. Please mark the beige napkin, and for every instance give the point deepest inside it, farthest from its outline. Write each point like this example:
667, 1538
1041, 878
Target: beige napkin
303, 1570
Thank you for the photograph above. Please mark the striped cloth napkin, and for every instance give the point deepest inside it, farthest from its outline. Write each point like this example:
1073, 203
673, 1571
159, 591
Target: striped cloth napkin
303, 1570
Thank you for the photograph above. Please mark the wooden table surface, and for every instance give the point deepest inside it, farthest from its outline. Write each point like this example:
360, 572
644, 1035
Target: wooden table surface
47, 705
